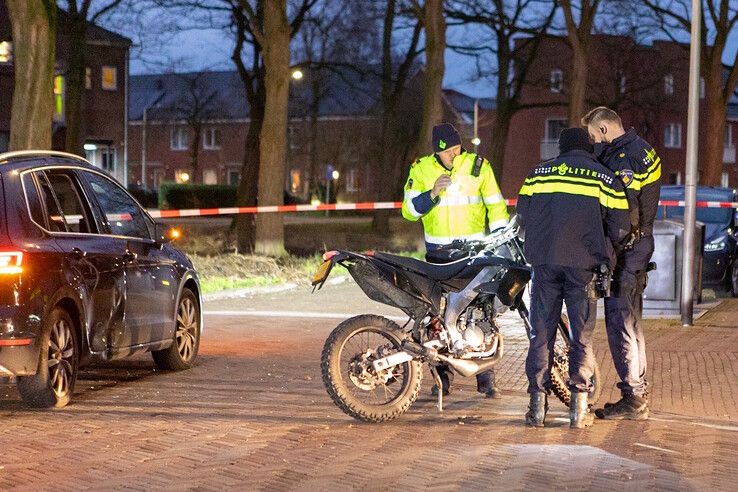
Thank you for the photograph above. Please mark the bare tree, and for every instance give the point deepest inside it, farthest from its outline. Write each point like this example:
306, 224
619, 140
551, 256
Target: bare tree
272, 31
34, 48
579, 32
79, 13
516, 31
719, 17
434, 24
196, 107
396, 70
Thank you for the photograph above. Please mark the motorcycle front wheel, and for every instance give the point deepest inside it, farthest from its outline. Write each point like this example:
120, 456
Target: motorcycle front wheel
560, 369
350, 379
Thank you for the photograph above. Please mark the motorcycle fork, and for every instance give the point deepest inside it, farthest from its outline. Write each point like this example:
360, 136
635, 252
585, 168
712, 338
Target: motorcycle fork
439, 385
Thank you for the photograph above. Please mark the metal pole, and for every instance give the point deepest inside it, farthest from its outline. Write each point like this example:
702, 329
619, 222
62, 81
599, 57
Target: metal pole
476, 119
327, 193
143, 149
125, 123
690, 181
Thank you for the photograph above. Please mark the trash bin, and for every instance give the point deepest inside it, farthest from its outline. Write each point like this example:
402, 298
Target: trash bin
663, 293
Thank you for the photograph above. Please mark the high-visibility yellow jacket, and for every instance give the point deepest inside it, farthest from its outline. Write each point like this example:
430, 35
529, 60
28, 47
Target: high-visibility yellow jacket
463, 209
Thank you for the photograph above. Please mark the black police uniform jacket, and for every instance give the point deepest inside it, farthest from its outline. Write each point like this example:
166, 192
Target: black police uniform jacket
574, 212
635, 163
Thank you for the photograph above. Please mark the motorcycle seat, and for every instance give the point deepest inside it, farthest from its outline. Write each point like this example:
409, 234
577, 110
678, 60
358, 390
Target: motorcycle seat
435, 271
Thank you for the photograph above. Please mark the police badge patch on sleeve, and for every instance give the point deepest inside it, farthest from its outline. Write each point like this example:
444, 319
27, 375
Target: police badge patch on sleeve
626, 175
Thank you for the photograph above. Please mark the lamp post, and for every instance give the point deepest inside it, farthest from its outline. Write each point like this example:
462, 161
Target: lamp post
143, 137
475, 141
690, 176
331, 175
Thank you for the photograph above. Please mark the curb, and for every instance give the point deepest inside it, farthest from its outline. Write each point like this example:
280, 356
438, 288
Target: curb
251, 291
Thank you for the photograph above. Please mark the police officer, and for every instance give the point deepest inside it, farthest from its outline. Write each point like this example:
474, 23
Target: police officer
456, 195
636, 164
574, 212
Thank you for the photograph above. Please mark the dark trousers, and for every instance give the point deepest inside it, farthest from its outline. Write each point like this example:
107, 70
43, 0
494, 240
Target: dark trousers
623, 314
552, 286
486, 379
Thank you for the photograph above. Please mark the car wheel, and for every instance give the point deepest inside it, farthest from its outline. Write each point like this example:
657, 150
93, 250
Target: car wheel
53, 383
734, 279
183, 351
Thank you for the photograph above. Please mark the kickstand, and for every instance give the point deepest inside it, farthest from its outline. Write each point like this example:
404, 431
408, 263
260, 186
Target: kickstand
439, 385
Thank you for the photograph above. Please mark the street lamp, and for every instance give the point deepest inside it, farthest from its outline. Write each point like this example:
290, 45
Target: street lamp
297, 74
332, 175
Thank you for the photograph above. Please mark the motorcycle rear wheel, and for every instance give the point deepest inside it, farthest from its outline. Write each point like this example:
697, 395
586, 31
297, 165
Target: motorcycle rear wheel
349, 377
560, 370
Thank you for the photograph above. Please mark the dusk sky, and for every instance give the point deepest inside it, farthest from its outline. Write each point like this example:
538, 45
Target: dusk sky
210, 50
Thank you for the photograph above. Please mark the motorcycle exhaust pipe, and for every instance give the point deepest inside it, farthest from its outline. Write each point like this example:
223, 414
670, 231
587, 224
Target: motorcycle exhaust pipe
465, 367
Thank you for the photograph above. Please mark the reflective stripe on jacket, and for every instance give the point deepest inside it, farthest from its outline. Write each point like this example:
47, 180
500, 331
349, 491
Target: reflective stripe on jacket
574, 211
462, 209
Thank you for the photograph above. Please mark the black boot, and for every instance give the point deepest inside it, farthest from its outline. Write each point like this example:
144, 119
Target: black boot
629, 407
579, 416
537, 408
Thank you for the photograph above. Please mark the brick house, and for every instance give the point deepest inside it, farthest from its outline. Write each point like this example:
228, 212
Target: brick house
647, 85
333, 129
104, 100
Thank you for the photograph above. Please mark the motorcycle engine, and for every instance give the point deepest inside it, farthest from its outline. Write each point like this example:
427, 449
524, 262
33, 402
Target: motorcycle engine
474, 332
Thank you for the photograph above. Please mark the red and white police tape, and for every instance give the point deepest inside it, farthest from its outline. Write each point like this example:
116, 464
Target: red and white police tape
201, 212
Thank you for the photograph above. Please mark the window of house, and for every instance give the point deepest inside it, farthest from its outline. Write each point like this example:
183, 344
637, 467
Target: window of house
211, 139
88, 78
295, 181
554, 128
178, 138
58, 98
702, 87
352, 180
728, 135
234, 177
725, 180
109, 78
182, 176
6, 52
292, 135
210, 177
108, 160
158, 178
668, 85
557, 80
622, 83
675, 178
673, 136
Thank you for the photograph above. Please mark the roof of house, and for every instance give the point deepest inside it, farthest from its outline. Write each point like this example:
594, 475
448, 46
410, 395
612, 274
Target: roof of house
97, 34
342, 92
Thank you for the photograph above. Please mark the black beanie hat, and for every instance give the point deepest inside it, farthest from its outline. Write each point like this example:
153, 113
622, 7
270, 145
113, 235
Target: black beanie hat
445, 136
575, 139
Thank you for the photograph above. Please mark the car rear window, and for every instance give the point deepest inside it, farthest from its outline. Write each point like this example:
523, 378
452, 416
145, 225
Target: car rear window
55, 202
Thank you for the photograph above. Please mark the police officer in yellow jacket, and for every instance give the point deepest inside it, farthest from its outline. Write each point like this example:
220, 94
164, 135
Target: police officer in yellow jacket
455, 194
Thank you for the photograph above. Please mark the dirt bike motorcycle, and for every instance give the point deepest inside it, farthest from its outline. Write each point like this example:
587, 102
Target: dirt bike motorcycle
372, 367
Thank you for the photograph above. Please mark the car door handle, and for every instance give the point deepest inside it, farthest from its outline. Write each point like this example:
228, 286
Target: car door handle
78, 253
129, 256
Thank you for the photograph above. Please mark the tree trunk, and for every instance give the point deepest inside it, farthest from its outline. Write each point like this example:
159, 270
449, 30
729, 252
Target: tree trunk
195, 150
578, 84
75, 86
712, 159
313, 181
498, 141
435, 47
248, 184
34, 46
273, 151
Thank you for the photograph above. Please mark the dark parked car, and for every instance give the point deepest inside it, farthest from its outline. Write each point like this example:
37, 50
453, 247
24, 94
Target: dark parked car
85, 275
719, 265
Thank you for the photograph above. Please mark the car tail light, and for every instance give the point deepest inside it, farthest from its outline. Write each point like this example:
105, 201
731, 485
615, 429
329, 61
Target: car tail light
10, 262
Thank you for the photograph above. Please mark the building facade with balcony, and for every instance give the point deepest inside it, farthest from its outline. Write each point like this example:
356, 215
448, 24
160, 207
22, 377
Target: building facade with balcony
104, 117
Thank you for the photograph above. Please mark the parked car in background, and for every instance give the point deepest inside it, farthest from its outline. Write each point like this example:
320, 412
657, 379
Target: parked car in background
85, 275
719, 264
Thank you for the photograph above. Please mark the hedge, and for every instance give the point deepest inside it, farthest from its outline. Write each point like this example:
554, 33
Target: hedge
178, 196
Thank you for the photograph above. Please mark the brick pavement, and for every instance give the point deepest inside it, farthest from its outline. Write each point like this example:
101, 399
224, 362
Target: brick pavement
253, 415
